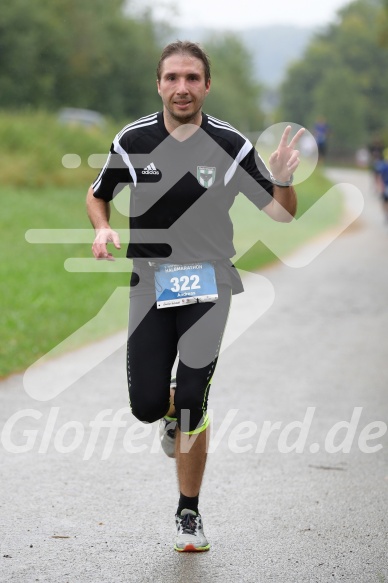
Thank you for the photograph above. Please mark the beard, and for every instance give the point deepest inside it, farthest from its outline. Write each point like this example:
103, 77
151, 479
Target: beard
183, 117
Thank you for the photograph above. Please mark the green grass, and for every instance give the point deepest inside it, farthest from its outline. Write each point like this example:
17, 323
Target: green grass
42, 303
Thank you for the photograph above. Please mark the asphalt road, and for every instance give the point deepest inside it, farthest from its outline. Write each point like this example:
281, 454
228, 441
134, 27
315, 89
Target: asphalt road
292, 494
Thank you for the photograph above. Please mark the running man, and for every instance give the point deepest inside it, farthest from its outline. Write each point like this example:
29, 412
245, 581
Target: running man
381, 167
184, 169
321, 134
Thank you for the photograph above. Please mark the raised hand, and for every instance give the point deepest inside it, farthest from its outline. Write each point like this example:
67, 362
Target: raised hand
285, 160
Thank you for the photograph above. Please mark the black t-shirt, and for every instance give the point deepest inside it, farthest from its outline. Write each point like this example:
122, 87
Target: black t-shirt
181, 192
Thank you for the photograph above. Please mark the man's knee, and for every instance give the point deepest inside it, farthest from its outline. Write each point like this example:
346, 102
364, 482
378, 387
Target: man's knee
148, 410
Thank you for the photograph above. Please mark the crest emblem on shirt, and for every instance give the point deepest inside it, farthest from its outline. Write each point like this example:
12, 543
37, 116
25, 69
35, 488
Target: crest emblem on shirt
206, 175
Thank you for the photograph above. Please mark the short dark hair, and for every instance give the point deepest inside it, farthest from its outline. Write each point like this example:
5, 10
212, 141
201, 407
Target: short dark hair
184, 48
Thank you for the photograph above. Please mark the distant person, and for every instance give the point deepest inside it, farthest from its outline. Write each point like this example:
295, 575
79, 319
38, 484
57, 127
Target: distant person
376, 152
381, 167
321, 133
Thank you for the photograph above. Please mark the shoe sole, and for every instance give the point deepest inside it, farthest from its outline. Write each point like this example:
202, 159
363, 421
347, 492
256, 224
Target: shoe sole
192, 549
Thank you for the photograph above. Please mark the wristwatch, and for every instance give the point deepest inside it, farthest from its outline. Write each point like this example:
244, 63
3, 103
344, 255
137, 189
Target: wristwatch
283, 184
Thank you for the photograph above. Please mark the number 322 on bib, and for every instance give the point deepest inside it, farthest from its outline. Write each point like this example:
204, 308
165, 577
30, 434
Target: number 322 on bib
179, 285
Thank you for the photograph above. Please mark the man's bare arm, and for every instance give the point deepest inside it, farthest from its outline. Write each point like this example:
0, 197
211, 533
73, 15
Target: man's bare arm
283, 206
99, 214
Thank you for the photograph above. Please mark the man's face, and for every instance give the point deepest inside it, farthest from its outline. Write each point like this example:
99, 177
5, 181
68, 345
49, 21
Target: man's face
182, 88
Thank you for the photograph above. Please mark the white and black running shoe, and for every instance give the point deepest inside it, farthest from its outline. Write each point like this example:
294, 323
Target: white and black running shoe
190, 535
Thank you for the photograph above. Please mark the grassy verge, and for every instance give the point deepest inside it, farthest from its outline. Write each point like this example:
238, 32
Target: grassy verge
42, 302
32, 146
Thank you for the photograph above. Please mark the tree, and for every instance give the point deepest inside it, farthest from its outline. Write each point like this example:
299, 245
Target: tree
342, 75
347, 130
383, 32
83, 54
94, 54
234, 95
297, 91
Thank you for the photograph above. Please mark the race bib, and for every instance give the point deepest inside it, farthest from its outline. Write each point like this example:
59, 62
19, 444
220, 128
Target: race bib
179, 285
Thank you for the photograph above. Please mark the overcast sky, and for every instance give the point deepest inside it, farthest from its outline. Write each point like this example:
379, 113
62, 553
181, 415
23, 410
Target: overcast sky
248, 13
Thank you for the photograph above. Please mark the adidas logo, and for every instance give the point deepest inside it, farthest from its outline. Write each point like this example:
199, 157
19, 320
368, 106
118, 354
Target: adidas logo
150, 169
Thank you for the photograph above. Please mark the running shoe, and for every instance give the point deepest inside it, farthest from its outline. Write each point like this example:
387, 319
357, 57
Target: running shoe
167, 430
167, 434
190, 535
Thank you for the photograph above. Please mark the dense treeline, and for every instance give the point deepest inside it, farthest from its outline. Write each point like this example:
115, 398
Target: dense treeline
235, 94
384, 24
80, 54
343, 77
93, 54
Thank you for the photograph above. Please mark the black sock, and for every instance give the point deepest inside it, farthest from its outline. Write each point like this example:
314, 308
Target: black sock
187, 502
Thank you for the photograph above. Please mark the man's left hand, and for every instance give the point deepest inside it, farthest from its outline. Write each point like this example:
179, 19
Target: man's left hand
285, 160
